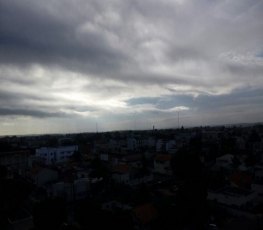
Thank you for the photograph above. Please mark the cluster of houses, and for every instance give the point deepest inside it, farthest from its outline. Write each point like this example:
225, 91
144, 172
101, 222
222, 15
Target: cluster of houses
79, 168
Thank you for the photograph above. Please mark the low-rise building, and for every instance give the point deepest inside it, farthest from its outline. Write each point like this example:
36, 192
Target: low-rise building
132, 144
21, 220
170, 146
233, 197
53, 155
16, 160
121, 173
41, 175
162, 164
113, 205
225, 161
70, 190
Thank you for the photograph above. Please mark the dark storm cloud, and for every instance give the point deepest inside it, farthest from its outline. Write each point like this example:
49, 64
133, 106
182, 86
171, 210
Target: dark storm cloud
76, 36
29, 33
29, 112
17, 97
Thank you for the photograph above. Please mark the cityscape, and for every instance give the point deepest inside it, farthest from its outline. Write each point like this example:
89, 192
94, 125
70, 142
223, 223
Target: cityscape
195, 178
129, 114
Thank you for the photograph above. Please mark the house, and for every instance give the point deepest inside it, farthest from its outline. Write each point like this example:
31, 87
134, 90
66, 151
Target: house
259, 175
241, 143
148, 142
133, 160
240, 179
56, 189
104, 157
138, 176
42, 175
170, 146
258, 188
81, 188
234, 197
15, 160
159, 145
113, 145
121, 173
82, 173
257, 184
144, 214
113, 205
53, 155
132, 144
225, 161
20, 220
70, 190
162, 164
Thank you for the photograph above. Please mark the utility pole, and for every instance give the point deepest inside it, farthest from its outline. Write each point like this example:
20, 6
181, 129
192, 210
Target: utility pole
178, 120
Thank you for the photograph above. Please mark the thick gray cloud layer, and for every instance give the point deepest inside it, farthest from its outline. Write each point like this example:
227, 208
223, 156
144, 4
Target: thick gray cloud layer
116, 61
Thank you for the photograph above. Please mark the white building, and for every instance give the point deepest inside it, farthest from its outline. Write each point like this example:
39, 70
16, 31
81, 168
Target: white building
52, 155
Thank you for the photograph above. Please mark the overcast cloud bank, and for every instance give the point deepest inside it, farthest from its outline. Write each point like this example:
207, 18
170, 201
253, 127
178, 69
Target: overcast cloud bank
65, 65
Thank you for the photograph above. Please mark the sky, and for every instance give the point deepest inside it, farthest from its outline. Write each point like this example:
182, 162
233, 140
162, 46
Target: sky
66, 65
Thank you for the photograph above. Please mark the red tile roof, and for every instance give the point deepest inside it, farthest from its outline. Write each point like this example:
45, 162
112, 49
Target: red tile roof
163, 157
121, 168
240, 179
145, 213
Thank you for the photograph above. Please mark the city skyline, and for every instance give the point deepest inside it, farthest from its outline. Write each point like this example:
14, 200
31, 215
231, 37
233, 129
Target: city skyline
79, 66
